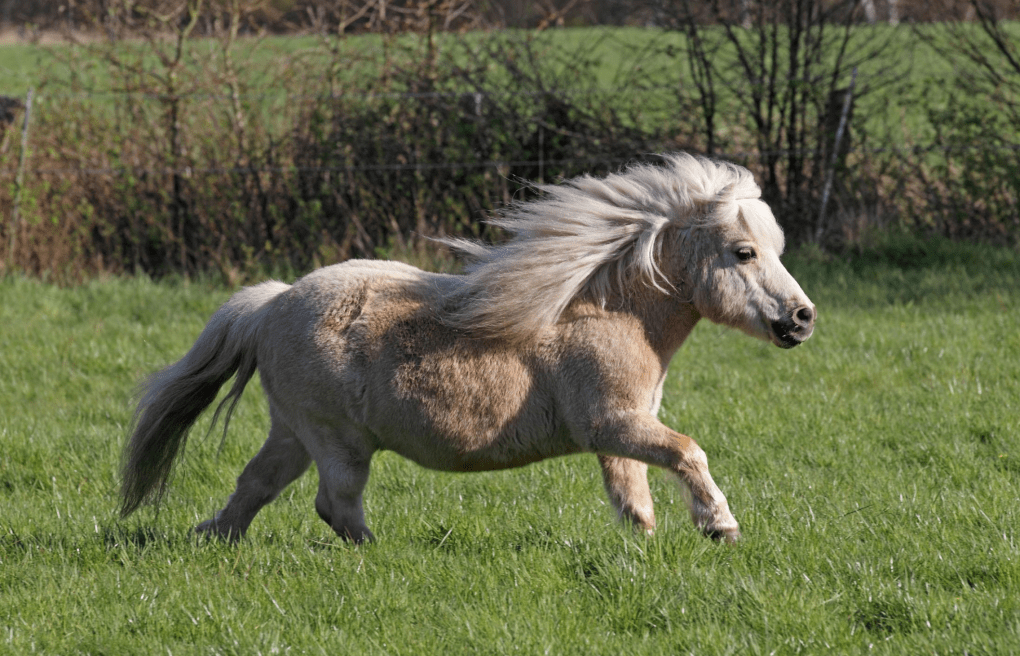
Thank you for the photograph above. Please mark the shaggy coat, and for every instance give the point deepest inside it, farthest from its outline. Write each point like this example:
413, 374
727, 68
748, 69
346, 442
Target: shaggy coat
555, 342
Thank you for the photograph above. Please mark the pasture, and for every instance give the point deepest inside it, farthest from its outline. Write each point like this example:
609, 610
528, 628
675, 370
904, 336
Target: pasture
896, 75
875, 472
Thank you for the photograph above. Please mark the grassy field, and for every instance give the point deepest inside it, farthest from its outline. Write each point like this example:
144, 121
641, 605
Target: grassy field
875, 471
894, 85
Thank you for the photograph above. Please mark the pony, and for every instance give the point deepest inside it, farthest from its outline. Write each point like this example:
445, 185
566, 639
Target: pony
555, 342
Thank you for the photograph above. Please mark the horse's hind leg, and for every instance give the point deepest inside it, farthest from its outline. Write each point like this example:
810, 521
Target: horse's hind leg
626, 483
281, 460
343, 474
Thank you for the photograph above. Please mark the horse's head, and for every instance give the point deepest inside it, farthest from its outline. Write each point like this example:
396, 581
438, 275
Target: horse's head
733, 266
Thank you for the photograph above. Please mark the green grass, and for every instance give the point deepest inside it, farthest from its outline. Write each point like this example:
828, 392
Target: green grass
875, 471
23, 66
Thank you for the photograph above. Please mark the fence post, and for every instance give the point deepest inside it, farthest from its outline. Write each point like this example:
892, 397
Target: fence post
19, 179
820, 227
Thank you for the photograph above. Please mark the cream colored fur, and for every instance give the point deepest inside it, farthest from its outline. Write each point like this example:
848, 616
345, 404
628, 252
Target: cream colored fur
555, 342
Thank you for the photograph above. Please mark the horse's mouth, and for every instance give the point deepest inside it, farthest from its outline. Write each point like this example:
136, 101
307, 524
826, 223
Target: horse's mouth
789, 340
793, 329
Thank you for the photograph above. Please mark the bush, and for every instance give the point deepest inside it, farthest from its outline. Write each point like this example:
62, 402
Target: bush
191, 168
161, 152
972, 174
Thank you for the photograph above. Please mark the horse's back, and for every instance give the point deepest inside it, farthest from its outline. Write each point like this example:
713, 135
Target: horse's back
318, 329
335, 296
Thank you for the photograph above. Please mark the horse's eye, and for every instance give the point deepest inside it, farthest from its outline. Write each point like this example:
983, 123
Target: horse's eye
746, 254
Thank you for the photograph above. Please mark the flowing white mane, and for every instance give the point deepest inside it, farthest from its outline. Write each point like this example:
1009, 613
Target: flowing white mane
589, 237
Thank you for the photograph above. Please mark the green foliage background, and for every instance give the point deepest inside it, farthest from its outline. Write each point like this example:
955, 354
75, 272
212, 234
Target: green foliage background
286, 153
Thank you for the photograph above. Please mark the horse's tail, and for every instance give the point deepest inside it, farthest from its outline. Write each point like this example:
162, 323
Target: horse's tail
172, 399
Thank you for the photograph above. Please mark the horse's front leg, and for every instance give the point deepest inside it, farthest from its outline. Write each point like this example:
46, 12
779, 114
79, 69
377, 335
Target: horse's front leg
626, 484
639, 436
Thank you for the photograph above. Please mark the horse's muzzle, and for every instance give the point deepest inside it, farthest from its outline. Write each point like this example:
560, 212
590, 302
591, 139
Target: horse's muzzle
795, 327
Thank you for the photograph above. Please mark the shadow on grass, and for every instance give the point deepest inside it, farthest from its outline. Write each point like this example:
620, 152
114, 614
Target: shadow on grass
137, 538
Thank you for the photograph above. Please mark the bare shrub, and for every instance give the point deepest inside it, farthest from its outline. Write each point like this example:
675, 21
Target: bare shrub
773, 84
971, 173
180, 145
185, 165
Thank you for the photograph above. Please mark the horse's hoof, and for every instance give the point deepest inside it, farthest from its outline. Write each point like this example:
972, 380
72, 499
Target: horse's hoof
727, 535
357, 536
210, 529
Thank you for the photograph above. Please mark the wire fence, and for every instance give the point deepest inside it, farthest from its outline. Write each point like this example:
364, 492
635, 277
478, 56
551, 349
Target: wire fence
495, 165
498, 165
317, 198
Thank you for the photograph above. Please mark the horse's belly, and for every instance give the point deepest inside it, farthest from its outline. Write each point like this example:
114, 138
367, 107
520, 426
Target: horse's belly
461, 453
461, 405
495, 459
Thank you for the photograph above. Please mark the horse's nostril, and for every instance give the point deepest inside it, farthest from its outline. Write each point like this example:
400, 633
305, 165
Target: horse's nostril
804, 316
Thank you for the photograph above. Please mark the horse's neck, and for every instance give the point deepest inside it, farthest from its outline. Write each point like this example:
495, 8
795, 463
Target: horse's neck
667, 321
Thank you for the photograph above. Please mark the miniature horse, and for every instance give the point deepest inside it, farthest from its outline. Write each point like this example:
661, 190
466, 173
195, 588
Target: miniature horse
554, 342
